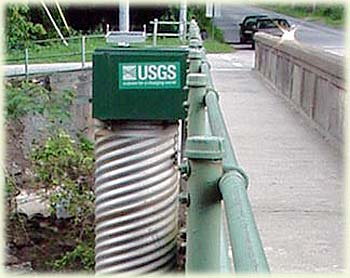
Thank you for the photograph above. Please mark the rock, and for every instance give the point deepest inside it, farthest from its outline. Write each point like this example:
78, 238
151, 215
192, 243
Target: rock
33, 203
20, 268
12, 263
11, 260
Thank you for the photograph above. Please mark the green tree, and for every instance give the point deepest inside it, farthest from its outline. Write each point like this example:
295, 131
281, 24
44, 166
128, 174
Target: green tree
19, 29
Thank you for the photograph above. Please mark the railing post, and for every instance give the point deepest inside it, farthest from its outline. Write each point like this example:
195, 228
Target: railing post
83, 51
26, 59
155, 31
203, 252
196, 112
194, 31
195, 57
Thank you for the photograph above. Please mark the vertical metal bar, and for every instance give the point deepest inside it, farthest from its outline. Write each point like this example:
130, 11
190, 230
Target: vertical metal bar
196, 112
155, 31
204, 212
212, 29
26, 58
225, 262
83, 51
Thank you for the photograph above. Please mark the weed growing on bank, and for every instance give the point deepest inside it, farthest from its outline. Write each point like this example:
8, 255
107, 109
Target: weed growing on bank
62, 166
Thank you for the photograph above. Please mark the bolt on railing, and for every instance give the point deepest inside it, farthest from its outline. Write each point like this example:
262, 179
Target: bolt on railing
214, 175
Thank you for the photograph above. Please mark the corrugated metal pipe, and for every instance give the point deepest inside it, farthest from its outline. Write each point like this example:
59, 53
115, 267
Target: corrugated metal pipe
136, 190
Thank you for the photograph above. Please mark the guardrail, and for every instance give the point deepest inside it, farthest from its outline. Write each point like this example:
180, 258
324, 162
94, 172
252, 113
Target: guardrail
213, 175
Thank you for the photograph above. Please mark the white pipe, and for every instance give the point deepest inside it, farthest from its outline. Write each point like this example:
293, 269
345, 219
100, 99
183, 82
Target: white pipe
62, 15
54, 24
124, 15
183, 19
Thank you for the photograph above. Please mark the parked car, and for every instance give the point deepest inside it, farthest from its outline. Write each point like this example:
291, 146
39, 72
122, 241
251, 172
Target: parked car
247, 26
272, 26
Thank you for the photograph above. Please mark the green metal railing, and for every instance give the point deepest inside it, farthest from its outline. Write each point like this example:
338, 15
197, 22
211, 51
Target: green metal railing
215, 181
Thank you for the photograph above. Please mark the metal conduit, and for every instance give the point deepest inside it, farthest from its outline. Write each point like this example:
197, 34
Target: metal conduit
136, 190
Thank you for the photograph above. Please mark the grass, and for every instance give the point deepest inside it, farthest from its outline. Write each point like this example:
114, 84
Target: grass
58, 52
213, 46
332, 15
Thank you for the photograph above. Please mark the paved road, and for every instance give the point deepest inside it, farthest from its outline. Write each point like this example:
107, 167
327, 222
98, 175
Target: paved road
317, 35
296, 178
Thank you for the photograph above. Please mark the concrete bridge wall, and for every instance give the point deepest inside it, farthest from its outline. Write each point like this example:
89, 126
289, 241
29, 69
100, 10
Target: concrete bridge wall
312, 80
81, 121
81, 82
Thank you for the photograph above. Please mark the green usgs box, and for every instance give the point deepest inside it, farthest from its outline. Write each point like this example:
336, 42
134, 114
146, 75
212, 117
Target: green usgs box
139, 84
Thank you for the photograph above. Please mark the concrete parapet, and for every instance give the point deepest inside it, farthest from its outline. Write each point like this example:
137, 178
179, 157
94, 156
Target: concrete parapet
312, 79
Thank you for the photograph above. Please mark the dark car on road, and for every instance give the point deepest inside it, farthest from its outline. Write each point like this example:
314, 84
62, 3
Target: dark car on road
247, 26
272, 26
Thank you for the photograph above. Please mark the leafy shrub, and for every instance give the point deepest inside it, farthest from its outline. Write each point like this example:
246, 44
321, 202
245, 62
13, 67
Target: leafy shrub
199, 13
64, 167
19, 30
334, 12
204, 23
82, 254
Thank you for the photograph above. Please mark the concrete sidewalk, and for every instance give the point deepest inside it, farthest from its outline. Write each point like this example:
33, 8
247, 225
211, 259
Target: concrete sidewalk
296, 178
15, 70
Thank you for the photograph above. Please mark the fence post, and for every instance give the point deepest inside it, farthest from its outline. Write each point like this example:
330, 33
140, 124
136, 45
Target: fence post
26, 59
83, 51
155, 31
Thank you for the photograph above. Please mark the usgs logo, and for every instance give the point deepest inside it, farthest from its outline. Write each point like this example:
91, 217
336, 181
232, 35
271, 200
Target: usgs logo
149, 72
149, 75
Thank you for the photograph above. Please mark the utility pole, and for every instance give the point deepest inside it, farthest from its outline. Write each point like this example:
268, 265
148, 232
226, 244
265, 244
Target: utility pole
183, 19
124, 15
